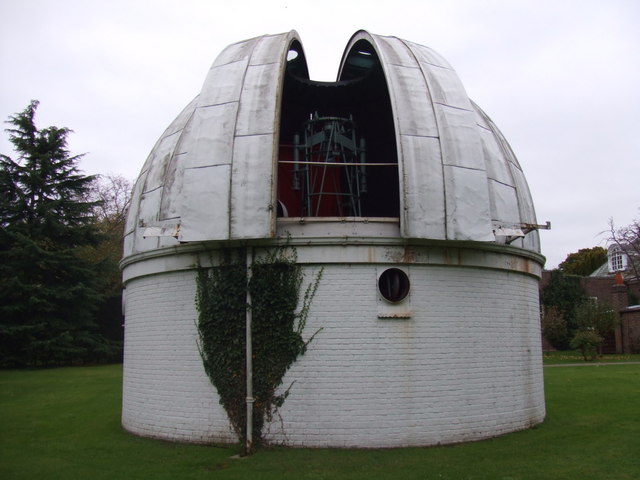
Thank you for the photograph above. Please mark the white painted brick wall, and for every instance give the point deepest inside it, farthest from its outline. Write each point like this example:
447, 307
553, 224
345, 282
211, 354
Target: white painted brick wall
466, 365
166, 392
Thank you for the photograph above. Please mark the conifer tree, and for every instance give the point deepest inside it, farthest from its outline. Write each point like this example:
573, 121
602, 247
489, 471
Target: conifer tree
49, 291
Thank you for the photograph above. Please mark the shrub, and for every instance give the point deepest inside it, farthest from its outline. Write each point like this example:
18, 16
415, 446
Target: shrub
588, 342
554, 326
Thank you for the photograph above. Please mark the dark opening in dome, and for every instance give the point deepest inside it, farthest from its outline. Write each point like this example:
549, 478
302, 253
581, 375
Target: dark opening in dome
337, 154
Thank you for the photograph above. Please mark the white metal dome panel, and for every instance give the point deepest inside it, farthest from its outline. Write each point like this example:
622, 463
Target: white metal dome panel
221, 84
426, 182
467, 211
426, 55
413, 112
459, 138
257, 113
212, 185
497, 168
270, 48
236, 51
211, 129
250, 195
504, 203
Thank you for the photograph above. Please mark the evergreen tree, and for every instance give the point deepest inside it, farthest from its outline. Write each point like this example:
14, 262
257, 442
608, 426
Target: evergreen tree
49, 291
565, 293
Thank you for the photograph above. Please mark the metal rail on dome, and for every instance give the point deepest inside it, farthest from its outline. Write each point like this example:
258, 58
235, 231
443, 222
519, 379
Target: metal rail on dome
508, 234
329, 167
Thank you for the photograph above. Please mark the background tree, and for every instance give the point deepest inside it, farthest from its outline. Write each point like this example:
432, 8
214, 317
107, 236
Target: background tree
111, 195
597, 316
565, 293
49, 291
554, 326
584, 262
628, 239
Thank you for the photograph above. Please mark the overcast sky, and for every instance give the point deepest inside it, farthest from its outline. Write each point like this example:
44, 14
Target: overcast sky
560, 78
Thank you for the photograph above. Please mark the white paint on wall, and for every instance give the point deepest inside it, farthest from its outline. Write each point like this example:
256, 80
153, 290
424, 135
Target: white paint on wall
466, 365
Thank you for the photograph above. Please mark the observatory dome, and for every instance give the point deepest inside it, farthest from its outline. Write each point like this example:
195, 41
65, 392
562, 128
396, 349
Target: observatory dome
434, 165
405, 208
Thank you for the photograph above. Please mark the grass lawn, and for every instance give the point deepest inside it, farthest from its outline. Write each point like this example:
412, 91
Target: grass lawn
574, 356
65, 424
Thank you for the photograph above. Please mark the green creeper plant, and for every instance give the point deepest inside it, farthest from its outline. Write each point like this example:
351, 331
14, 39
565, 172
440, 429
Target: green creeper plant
221, 304
274, 283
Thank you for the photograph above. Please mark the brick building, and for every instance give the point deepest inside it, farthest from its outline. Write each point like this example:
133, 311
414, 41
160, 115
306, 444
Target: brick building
615, 284
407, 195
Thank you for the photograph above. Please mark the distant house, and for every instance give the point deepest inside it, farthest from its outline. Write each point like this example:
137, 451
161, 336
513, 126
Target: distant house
617, 262
617, 270
616, 283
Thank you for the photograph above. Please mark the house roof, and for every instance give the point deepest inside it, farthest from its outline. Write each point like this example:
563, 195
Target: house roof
602, 271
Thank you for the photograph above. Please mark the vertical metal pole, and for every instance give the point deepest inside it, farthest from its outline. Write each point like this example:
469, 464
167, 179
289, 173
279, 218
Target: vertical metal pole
249, 359
363, 169
296, 159
327, 143
308, 136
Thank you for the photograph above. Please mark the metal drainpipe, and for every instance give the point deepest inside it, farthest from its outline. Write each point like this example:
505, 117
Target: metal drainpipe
249, 359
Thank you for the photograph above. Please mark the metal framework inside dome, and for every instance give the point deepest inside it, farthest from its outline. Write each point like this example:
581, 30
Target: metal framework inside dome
331, 176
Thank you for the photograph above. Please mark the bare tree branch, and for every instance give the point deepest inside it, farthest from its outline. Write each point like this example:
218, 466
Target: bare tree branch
112, 193
628, 240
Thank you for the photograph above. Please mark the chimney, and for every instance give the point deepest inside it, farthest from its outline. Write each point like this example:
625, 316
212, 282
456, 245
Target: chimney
619, 298
619, 301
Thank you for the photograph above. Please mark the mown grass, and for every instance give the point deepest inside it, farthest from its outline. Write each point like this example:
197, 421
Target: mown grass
574, 356
65, 424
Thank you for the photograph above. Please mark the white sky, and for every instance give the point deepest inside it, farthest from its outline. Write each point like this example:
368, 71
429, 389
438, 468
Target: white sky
560, 78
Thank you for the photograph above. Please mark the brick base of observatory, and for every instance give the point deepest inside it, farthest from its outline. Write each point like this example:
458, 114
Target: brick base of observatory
459, 359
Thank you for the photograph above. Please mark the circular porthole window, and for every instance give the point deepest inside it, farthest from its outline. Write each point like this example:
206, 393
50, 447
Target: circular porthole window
393, 285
